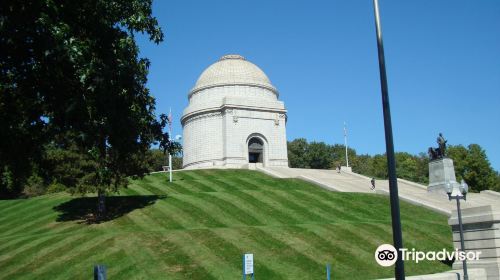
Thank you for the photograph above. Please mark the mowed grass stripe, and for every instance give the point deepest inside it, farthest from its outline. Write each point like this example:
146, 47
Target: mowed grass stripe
158, 217
245, 185
366, 205
180, 187
240, 241
32, 210
177, 262
33, 244
61, 255
331, 206
201, 256
297, 263
302, 205
202, 186
355, 251
233, 186
223, 251
170, 258
128, 191
77, 259
227, 214
308, 244
120, 266
241, 215
328, 207
153, 187
223, 186
323, 240
286, 207
193, 212
37, 254
301, 212
24, 204
140, 221
11, 244
8, 243
140, 190
421, 234
26, 225
309, 239
114, 259
218, 186
265, 208
193, 186
357, 239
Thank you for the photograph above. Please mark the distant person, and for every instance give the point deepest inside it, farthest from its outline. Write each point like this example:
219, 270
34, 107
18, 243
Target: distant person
372, 187
338, 168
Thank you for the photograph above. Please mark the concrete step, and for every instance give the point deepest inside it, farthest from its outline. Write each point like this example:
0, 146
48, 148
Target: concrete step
409, 191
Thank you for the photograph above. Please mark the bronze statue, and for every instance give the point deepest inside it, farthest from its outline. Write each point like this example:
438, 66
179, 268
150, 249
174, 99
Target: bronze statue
442, 145
440, 152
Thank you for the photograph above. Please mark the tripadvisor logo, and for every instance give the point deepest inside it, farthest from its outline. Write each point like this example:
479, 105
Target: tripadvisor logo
387, 255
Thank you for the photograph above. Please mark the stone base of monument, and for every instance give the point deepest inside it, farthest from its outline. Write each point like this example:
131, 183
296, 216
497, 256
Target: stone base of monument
481, 234
346, 168
441, 172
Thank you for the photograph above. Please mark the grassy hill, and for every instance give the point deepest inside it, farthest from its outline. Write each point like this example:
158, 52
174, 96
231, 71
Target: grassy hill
199, 226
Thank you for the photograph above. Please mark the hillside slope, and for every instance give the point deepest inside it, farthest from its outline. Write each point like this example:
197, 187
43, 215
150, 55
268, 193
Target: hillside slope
199, 226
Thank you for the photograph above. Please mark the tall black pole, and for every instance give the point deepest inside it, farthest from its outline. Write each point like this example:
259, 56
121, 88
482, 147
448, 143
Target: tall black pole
391, 162
461, 228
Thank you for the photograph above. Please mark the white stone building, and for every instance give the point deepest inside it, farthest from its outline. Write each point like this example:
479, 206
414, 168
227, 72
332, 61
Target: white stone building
234, 118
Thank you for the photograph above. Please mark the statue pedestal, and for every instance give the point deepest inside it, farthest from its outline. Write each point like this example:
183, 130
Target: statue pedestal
441, 172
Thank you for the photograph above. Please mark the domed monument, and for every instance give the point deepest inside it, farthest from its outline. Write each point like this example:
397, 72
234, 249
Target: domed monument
234, 118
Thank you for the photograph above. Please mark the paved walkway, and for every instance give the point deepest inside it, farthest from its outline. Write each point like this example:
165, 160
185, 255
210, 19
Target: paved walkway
408, 191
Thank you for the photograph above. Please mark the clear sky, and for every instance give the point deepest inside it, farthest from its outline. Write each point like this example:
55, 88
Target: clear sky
443, 65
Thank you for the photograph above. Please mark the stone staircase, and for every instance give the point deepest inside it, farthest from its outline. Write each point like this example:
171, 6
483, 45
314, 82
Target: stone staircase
411, 192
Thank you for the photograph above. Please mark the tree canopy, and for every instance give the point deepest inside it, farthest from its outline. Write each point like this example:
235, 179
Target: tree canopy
71, 77
471, 163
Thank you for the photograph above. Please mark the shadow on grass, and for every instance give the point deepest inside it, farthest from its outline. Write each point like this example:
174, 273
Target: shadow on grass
84, 209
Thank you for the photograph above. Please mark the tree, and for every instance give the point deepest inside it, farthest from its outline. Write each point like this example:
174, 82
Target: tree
319, 155
472, 165
297, 153
363, 164
74, 66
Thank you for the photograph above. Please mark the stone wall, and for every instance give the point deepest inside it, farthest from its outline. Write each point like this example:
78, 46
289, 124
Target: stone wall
481, 233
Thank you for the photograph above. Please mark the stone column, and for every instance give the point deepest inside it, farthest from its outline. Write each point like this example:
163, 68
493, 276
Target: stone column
481, 234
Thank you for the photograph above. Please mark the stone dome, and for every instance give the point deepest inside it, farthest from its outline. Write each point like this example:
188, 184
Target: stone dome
232, 69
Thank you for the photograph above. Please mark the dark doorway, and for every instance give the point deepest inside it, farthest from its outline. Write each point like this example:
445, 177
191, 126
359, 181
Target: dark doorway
255, 150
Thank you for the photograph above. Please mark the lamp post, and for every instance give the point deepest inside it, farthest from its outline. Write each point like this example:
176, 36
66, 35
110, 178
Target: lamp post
457, 192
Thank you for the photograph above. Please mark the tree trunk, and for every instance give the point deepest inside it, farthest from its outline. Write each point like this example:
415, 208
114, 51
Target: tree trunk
101, 205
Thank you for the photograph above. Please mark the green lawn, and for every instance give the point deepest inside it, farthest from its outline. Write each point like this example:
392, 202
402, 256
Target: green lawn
199, 226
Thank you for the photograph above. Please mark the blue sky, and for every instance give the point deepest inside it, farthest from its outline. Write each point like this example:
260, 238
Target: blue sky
443, 65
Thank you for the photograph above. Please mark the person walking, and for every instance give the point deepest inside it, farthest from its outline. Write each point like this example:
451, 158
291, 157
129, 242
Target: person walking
373, 184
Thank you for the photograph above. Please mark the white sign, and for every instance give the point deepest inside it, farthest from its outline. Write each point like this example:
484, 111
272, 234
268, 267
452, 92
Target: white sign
248, 264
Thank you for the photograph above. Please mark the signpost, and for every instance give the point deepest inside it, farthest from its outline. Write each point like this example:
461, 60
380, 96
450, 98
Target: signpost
99, 272
248, 266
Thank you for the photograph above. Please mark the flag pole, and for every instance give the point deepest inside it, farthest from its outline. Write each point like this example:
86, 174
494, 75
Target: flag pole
389, 144
170, 139
345, 141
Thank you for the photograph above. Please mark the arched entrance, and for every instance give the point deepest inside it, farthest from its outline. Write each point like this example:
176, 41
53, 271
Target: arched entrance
255, 150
